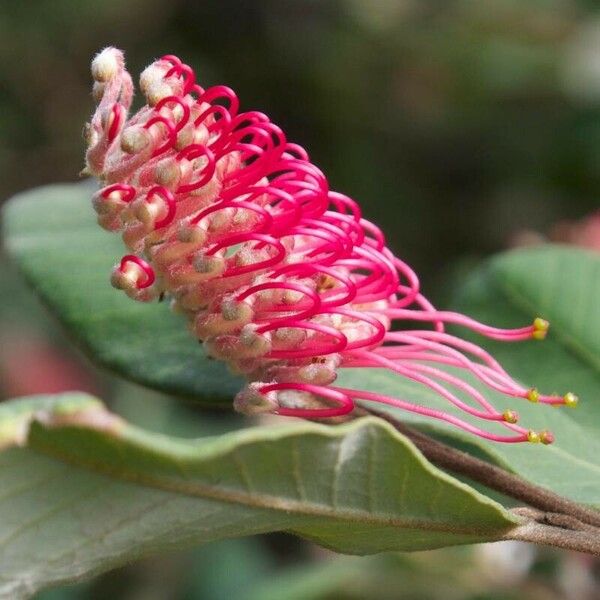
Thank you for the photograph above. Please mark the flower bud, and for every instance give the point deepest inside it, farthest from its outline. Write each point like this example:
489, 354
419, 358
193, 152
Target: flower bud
106, 64
148, 212
125, 279
150, 76
134, 139
251, 402
191, 234
255, 344
209, 265
168, 173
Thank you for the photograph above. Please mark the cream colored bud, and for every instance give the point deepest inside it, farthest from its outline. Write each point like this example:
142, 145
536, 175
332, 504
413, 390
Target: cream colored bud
317, 373
148, 212
111, 205
255, 344
157, 91
147, 294
232, 310
191, 234
168, 173
297, 399
110, 222
125, 279
246, 256
106, 64
251, 402
290, 337
210, 265
185, 137
220, 220
292, 296
214, 324
151, 75
134, 139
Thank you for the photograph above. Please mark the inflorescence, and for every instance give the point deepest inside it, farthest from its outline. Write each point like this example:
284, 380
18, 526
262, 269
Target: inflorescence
279, 276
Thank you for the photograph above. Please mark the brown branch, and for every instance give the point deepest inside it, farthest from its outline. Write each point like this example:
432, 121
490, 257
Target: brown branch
554, 519
494, 477
538, 533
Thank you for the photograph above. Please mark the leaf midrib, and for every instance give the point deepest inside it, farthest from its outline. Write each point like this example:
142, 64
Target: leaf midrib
262, 501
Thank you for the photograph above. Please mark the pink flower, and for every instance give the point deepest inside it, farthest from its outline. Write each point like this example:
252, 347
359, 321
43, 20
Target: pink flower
279, 276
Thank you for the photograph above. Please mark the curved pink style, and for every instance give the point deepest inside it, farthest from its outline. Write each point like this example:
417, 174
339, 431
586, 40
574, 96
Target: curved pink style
279, 276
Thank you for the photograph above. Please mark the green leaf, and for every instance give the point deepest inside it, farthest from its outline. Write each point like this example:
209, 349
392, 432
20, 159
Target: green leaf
561, 284
55, 241
83, 491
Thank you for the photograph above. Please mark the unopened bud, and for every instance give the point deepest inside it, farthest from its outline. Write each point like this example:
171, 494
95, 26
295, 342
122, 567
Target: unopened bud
150, 76
289, 337
168, 173
213, 265
317, 373
232, 310
148, 212
191, 234
134, 139
250, 401
255, 344
157, 91
106, 64
125, 279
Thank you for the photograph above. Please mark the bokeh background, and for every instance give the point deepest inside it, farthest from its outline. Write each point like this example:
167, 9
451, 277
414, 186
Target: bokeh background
461, 126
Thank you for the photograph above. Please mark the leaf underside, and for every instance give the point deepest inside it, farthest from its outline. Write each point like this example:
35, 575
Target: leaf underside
83, 491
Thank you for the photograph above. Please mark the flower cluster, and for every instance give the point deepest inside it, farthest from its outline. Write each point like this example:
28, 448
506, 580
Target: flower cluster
279, 276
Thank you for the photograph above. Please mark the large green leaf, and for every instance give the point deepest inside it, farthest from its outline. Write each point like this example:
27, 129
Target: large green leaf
83, 491
52, 234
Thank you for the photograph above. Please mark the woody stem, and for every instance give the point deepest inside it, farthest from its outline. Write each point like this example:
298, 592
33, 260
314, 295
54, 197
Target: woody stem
536, 532
493, 477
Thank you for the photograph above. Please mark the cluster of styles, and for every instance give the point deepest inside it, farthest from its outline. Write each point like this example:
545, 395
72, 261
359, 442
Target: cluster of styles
278, 275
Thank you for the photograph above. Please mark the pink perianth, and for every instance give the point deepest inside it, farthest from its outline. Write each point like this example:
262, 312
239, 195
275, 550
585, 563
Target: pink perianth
280, 276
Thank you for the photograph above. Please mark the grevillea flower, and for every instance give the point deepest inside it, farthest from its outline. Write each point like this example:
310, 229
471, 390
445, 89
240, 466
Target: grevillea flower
279, 276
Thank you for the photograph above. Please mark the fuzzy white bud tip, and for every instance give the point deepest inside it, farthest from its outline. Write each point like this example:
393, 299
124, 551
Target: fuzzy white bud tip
106, 64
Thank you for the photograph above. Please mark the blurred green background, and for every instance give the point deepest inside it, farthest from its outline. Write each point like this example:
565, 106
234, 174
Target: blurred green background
461, 126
